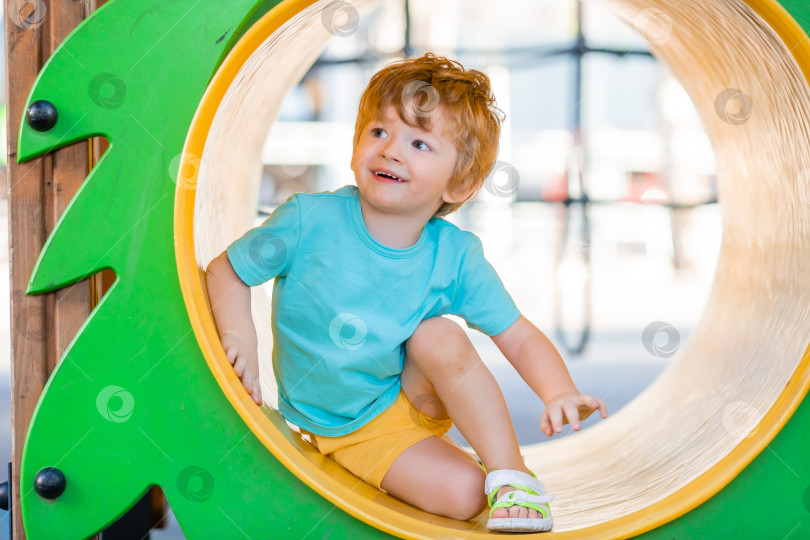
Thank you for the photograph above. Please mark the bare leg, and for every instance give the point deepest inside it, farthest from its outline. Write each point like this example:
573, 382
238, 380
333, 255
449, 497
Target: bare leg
444, 376
439, 478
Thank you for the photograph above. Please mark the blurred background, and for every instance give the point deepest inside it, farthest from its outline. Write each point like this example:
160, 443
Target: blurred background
600, 215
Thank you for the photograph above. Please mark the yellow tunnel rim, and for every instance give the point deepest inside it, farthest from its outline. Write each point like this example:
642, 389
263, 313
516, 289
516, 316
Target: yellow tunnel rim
286, 451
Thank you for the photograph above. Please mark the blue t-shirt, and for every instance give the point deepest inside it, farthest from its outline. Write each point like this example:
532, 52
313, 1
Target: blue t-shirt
344, 304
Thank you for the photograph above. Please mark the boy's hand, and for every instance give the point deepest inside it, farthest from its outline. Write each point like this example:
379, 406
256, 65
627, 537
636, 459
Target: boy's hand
245, 365
570, 409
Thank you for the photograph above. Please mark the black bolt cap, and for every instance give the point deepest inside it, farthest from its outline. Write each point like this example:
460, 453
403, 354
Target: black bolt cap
41, 115
4, 496
49, 483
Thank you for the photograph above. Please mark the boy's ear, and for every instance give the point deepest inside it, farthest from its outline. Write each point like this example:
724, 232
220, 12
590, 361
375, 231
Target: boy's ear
458, 193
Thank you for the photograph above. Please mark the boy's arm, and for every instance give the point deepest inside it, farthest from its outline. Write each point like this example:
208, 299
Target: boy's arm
230, 303
539, 364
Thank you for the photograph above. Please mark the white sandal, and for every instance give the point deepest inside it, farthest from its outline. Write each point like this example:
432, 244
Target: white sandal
531, 494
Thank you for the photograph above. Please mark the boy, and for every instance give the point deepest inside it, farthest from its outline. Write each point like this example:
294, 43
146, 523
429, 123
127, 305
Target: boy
363, 359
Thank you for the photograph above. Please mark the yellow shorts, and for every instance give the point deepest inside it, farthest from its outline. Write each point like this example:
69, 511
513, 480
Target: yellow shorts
372, 449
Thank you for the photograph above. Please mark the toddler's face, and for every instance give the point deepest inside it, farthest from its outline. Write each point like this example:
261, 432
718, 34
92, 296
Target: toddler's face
404, 169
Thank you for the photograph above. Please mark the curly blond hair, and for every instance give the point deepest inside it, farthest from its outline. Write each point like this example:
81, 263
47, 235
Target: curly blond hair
418, 86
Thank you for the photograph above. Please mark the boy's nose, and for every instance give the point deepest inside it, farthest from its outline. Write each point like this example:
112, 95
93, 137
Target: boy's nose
390, 150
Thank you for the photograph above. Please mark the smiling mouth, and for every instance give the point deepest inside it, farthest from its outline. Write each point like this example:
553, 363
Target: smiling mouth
381, 174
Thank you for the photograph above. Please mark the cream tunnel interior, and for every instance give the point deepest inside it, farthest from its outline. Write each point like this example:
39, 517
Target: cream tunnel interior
732, 386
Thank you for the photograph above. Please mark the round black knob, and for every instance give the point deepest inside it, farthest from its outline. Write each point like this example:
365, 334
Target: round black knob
4, 496
41, 115
50, 482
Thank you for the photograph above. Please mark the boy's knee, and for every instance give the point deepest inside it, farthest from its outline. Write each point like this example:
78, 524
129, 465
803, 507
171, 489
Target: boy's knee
434, 334
439, 346
466, 497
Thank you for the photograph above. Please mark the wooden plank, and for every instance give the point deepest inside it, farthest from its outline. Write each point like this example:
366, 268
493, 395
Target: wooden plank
29, 319
41, 326
70, 305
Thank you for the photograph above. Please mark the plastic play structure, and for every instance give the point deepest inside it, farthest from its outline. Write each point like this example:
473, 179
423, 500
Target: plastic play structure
186, 90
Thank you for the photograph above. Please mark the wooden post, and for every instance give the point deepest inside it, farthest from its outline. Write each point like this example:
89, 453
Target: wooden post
38, 191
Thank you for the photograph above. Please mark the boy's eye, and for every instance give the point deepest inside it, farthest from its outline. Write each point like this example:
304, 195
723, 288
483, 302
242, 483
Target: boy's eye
421, 145
378, 132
